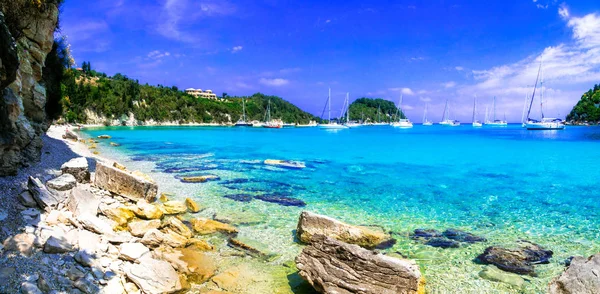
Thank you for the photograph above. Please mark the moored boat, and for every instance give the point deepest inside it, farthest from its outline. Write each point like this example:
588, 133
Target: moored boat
404, 123
446, 121
242, 122
330, 124
546, 123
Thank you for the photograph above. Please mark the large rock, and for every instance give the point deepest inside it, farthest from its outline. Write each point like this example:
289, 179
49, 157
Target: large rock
516, 260
145, 210
62, 183
174, 207
81, 201
204, 226
139, 228
154, 276
57, 245
78, 167
331, 266
196, 265
23, 243
177, 226
133, 185
582, 276
132, 251
45, 199
311, 224
94, 224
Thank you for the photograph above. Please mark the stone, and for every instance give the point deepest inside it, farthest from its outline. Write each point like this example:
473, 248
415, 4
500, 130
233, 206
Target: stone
73, 273
173, 239
86, 286
331, 266
7, 273
30, 288
174, 207
44, 198
85, 258
120, 215
204, 226
192, 206
177, 226
291, 164
442, 243
154, 276
43, 285
94, 224
78, 167
281, 200
118, 237
82, 202
240, 197
582, 276
462, 236
23, 243
311, 224
253, 247
520, 260
122, 182
132, 251
494, 274
139, 228
145, 210
114, 285
153, 238
88, 241
200, 179
62, 183
196, 265
114, 144
104, 137
26, 199
200, 245
57, 245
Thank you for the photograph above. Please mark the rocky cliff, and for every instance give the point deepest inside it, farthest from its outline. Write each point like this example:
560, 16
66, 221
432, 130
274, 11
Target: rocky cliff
22, 95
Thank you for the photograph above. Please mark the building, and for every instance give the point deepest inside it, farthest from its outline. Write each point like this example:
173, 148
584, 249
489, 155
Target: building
199, 93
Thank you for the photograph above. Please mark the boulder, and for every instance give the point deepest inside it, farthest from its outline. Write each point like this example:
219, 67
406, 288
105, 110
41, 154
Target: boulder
173, 239
154, 276
23, 243
204, 226
104, 137
133, 185
281, 200
252, 247
45, 199
145, 210
82, 202
196, 265
139, 228
174, 207
94, 224
120, 215
62, 183
177, 226
200, 245
311, 224
582, 276
57, 245
28, 287
132, 251
520, 260
331, 266
86, 286
26, 199
153, 238
200, 179
492, 273
78, 167
192, 206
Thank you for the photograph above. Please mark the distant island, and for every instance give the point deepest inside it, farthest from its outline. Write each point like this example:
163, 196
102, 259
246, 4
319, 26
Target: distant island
94, 98
372, 110
587, 110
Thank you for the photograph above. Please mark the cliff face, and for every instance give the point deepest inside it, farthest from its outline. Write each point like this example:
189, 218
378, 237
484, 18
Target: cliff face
22, 96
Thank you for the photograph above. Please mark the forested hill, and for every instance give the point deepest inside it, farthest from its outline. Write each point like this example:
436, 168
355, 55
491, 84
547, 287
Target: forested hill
115, 97
367, 109
588, 107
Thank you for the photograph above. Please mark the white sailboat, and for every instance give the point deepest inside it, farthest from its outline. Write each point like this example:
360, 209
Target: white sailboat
348, 122
496, 122
402, 122
546, 123
379, 123
476, 122
242, 122
330, 124
446, 121
426, 122
271, 124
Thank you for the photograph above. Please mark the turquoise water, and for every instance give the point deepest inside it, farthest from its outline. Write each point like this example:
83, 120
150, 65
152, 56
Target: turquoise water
504, 184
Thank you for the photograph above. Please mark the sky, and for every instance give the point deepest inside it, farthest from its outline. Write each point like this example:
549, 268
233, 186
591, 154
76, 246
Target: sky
426, 51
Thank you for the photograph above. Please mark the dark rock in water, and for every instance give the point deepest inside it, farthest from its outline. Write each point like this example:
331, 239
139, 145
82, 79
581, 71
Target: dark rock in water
235, 181
462, 236
422, 233
240, 197
281, 200
520, 260
386, 244
442, 243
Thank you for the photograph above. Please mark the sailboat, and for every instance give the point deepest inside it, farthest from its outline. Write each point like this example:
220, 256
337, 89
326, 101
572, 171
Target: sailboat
546, 123
402, 122
426, 122
379, 123
348, 122
446, 121
496, 122
242, 122
476, 122
330, 124
270, 123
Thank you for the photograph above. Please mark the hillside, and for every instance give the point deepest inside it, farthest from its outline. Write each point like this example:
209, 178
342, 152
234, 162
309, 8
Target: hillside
367, 109
88, 95
588, 107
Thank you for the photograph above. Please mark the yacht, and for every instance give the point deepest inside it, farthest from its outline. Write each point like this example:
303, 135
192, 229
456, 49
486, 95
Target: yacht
242, 122
446, 121
402, 122
476, 123
546, 123
348, 123
271, 124
330, 124
496, 122
426, 122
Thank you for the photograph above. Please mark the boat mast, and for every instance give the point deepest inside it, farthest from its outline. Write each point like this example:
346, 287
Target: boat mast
494, 108
243, 110
269, 111
524, 107
347, 106
400, 113
534, 87
474, 107
446, 112
425, 114
542, 90
329, 105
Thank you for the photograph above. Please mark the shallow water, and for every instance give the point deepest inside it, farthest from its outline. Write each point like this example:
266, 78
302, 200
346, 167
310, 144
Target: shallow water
504, 184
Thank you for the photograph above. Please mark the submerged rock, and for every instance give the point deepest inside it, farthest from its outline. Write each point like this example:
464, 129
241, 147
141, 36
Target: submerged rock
134, 185
62, 183
78, 167
174, 207
204, 226
281, 200
423, 233
200, 179
195, 264
450, 238
311, 224
492, 273
192, 206
285, 163
442, 243
253, 247
331, 266
240, 197
520, 260
582, 276
462, 236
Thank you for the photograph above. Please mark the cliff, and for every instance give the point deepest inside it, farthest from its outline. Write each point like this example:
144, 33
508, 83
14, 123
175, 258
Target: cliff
23, 52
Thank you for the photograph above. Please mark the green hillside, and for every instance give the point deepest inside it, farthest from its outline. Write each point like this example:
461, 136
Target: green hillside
367, 109
588, 107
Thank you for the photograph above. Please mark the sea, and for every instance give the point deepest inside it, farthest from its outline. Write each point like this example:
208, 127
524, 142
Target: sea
502, 183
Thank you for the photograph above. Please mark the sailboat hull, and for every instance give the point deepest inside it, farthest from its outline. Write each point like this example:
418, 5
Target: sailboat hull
542, 126
332, 126
243, 124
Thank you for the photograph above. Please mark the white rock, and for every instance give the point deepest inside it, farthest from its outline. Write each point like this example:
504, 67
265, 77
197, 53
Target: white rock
57, 245
114, 285
88, 241
62, 183
30, 288
78, 167
81, 201
132, 251
154, 276
94, 224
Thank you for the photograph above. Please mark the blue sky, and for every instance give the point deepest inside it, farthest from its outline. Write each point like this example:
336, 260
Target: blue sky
428, 50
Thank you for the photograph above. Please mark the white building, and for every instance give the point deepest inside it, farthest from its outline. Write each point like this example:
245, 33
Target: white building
199, 93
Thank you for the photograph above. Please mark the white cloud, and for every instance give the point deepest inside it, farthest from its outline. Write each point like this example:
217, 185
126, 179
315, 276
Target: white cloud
157, 54
405, 91
542, 6
425, 99
407, 107
563, 11
274, 82
236, 49
449, 84
459, 68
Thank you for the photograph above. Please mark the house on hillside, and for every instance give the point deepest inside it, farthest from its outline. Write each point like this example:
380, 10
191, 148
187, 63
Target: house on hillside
208, 94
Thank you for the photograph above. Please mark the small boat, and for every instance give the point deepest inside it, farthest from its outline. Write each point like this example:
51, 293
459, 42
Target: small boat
271, 124
546, 123
285, 163
426, 122
496, 122
404, 123
348, 123
446, 121
309, 125
476, 123
330, 124
288, 125
257, 124
242, 122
